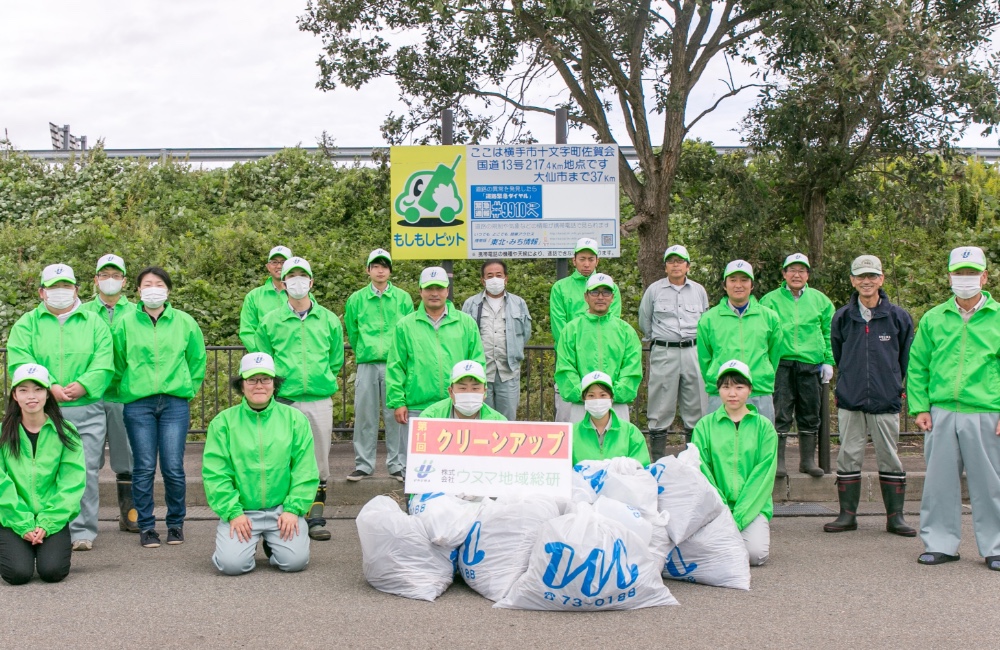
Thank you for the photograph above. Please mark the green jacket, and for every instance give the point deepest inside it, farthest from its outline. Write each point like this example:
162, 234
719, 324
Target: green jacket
418, 370
122, 307
163, 359
259, 459
805, 324
256, 305
621, 439
442, 409
370, 319
740, 463
605, 343
42, 489
308, 353
955, 365
566, 302
78, 350
755, 339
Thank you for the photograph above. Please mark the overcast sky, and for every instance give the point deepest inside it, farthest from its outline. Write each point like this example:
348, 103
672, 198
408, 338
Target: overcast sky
218, 73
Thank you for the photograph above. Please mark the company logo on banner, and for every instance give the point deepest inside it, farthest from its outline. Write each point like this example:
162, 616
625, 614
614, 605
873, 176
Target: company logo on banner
428, 203
488, 458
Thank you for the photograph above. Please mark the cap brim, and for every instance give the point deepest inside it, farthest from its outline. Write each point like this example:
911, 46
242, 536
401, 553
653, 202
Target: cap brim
111, 264
866, 271
966, 265
598, 381
734, 371
480, 378
434, 283
49, 283
678, 255
300, 268
602, 285
586, 248
257, 371
380, 258
787, 264
749, 275
41, 383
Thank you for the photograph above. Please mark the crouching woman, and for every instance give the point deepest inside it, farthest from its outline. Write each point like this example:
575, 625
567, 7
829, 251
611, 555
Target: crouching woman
42, 478
739, 455
260, 474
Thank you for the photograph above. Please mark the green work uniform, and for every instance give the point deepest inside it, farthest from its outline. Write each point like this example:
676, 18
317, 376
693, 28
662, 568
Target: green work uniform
754, 338
256, 305
566, 302
605, 343
370, 319
805, 324
620, 439
308, 352
112, 318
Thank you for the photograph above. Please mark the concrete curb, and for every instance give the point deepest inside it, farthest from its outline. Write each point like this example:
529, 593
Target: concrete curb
801, 488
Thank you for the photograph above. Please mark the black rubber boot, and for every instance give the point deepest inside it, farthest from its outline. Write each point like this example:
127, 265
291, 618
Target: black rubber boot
781, 472
893, 495
807, 455
657, 444
128, 517
849, 491
315, 519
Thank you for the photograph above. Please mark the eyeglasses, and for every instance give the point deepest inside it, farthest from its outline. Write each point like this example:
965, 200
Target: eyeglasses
275, 262
259, 381
110, 276
601, 293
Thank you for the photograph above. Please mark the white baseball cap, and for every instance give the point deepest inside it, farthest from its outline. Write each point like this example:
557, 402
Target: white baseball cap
284, 251
377, 254
736, 366
433, 276
111, 260
866, 264
57, 273
465, 369
967, 257
32, 372
586, 244
677, 250
600, 280
295, 263
796, 258
738, 266
596, 377
256, 363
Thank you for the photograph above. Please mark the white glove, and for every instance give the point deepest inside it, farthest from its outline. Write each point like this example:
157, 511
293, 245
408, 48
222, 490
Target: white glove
825, 373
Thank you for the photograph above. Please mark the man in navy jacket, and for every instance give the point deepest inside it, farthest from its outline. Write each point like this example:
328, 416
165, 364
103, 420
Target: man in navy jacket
871, 340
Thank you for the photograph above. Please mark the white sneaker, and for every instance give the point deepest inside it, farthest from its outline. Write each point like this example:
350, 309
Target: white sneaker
83, 545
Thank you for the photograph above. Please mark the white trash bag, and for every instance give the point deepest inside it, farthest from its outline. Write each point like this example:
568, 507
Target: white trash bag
396, 555
496, 550
447, 519
584, 561
716, 555
626, 515
622, 479
685, 493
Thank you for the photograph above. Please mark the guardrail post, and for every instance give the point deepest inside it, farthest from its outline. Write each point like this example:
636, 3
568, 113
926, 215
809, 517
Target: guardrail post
824, 429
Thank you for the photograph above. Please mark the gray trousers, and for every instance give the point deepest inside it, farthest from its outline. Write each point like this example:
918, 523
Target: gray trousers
562, 407
578, 411
957, 440
503, 396
320, 416
234, 557
854, 428
675, 382
764, 404
757, 537
369, 401
118, 447
91, 423
405, 436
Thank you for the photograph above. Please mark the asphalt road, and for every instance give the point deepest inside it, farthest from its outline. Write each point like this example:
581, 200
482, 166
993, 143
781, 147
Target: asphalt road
863, 590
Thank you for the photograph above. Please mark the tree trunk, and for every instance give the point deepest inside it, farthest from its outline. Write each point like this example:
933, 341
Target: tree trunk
652, 242
815, 212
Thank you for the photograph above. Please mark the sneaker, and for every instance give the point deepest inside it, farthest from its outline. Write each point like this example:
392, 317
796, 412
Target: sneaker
357, 475
175, 536
149, 539
83, 545
398, 476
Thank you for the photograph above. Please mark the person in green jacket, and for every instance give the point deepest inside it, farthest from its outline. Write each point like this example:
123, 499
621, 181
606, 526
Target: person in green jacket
601, 434
953, 388
567, 302
739, 454
110, 303
806, 362
466, 396
159, 366
264, 299
426, 345
76, 344
370, 316
42, 479
599, 340
260, 474
307, 343
740, 328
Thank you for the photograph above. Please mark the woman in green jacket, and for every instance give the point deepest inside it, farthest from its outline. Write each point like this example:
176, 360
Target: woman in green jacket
42, 478
159, 367
260, 474
601, 434
739, 455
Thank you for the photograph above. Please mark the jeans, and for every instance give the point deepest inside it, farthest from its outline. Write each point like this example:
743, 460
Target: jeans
158, 424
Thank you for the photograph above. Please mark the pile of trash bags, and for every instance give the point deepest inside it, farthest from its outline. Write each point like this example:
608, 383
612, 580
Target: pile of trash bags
625, 528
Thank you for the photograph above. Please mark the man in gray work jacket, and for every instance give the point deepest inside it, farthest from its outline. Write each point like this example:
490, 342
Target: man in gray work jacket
668, 318
505, 327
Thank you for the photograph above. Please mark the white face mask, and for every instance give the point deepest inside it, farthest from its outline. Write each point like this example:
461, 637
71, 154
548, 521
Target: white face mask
153, 297
495, 286
110, 287
468, 403
297, 287
966, 286
60, 298
597, 407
